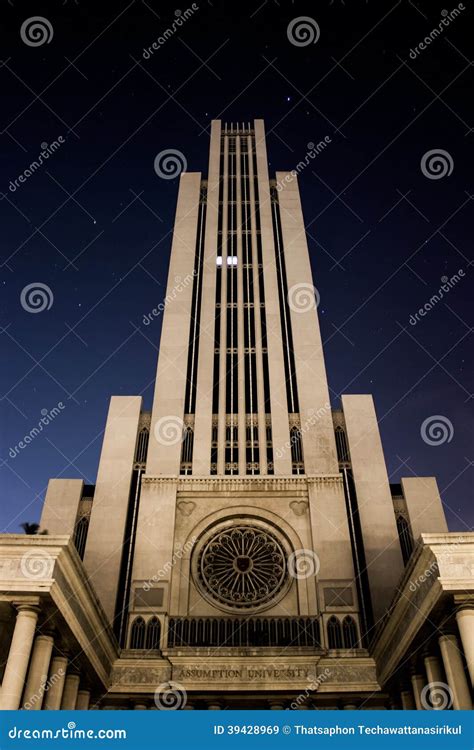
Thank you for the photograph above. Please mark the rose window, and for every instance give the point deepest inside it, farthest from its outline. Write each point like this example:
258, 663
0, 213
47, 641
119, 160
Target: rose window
242, 566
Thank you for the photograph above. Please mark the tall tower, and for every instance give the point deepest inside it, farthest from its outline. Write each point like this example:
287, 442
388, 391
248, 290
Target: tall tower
243, 511
241, 429
241, 361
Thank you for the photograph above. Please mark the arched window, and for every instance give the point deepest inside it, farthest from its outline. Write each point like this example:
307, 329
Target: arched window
296, 447
142, 445
137, 635
153, 633
341, 444
80, 535
404, 535
187, 449
349, 632
334, 633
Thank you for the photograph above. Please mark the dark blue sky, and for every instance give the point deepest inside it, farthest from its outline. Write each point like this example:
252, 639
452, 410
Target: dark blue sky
93, 223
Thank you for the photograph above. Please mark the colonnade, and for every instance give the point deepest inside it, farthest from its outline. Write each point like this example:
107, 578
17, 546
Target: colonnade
36, 677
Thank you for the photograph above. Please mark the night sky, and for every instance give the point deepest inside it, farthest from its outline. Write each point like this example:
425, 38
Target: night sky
94, 222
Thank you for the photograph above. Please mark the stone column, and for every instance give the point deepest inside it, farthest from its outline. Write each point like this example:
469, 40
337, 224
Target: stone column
71, 689
18, 657
56, 678
83, 700
350, 707
140, 707
276, 706
435, 677
465, 620
454, 669
418, 683
213, 706
406, 697
188, 707
38, 672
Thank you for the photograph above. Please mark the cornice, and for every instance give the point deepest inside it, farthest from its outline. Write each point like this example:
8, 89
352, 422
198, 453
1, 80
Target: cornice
184, 482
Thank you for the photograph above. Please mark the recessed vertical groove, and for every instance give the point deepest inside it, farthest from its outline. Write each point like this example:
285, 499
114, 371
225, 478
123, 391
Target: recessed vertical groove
193, 346
292, 390
240, 312
259, 311
221, 427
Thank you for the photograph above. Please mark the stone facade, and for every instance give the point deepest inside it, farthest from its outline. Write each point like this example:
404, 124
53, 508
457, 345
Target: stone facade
242, 546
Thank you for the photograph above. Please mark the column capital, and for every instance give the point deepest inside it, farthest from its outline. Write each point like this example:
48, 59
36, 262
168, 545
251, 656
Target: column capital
447, 637
48, 637
73, 670
27, 609
430, 657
